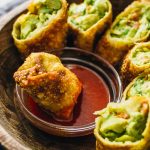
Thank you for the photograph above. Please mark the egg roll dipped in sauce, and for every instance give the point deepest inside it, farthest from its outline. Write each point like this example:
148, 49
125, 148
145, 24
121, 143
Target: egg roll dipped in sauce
52, 86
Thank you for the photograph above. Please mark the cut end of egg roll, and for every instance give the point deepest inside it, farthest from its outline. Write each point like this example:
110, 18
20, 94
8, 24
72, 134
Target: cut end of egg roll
88, 19
124, 126
53, 87
136, 62
140, 86
129, 27
42, 28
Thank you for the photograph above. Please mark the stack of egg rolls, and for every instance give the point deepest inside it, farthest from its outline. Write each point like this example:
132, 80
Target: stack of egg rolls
130, 27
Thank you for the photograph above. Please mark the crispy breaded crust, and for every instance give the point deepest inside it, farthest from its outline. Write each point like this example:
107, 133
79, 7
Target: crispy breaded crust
143, 144
55, 89
53, 36
114, 49
129, 70
85, 39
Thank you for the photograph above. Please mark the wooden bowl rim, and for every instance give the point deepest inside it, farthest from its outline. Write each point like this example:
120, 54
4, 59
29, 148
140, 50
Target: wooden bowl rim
5, 138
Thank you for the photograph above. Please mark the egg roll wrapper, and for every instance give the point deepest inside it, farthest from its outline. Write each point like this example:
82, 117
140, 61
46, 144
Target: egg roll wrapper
129, 69
114, 49
144, 75
85, 39
142, 144
55, 89
51, 37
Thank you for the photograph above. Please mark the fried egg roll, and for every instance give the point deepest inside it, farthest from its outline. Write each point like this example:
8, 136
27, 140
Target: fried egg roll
42, 28
124, 126
139, 86
136, 62
88, 19
53, 87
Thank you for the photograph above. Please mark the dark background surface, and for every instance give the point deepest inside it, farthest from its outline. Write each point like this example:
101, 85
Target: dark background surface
7, 5
1, 148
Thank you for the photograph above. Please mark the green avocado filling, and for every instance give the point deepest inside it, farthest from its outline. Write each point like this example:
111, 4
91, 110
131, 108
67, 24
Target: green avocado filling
125, 121
141, 56
87, 13
43, 12
140, 87
134, 24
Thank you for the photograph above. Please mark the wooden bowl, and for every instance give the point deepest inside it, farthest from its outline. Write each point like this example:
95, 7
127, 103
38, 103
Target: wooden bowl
15, 131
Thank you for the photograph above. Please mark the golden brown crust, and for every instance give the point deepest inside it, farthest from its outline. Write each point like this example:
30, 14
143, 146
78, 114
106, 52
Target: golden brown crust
112, 50
51, 37
100, 146
126, 75
85, 39
129, 70
56, 90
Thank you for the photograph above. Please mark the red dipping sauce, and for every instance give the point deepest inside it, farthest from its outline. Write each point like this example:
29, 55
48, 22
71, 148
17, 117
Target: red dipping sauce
95, 96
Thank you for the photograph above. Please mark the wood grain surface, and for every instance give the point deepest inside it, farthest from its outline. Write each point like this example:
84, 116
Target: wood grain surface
15, 131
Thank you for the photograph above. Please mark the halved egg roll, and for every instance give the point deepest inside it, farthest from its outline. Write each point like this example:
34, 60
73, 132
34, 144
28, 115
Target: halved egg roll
136, 62
130, 27
139, 86
88, 19
124, 126
42, 28
53, 87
